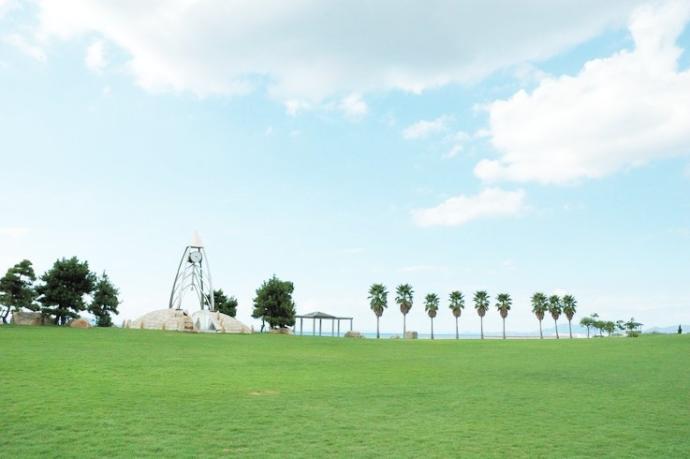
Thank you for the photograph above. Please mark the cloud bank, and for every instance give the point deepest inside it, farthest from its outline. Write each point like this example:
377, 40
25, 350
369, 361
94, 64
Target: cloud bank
619, 112
309, 50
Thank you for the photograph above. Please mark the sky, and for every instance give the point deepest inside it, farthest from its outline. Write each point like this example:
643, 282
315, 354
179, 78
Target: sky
515, 148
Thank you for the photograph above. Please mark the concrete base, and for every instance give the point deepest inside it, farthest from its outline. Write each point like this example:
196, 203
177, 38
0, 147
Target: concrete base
177, 320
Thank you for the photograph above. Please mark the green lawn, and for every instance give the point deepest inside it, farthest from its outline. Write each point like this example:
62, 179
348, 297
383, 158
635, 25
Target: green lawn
111, 392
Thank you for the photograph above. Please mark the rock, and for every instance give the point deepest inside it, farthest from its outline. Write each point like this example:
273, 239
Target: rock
178, 320
280, 331
26, 318
410, 335
80, 323
353, 334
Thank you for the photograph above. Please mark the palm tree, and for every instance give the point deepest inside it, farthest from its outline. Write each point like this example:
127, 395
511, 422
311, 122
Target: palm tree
481, 304
378, 300
431, 306
503, 303
569, 309
456, 304
539, 308
555, 310
403, 296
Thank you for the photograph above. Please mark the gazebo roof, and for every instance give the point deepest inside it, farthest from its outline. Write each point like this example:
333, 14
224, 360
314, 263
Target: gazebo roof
317, 315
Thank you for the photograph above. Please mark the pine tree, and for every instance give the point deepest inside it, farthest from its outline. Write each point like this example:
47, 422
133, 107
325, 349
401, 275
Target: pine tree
105, 301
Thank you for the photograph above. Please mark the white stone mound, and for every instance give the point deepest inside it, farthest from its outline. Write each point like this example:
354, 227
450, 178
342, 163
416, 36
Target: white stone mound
178, 320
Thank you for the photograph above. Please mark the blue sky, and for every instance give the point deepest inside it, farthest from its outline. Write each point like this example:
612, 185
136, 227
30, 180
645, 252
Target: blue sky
544, 148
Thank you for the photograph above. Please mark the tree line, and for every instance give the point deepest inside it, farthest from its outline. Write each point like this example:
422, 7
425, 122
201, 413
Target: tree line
553, 305
631, 327
59, 294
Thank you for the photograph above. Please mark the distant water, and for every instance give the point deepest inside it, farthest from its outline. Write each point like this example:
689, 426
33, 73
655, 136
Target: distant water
448, 336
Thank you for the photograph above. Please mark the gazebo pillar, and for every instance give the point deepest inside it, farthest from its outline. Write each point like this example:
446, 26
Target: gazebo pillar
332, 327
313, 328
320, 320
350, 324
338, 327
301, 326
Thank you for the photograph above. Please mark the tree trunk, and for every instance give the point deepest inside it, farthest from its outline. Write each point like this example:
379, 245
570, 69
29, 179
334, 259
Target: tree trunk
432, 328
587, 332
570, 329
404, 324
481, 325
504, 328
377, 327
457, 332
556, 323
541, 333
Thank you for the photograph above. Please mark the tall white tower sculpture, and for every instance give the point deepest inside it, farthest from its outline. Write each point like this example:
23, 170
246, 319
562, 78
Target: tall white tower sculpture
193, 275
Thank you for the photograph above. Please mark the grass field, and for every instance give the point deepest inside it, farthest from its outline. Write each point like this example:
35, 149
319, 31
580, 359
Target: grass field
112, 392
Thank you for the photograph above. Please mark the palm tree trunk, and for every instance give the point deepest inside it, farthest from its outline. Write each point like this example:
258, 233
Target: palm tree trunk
481, 325
570, 329
504, 328
556, 322
404, 324
457, 333
432, 328
587, 332
541, 333
377, 327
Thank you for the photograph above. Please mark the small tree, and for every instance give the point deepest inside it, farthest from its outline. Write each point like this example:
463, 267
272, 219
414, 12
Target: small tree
456, 304
225, 304
555, 309
378, 301
539, 308
274, 304
63, 289
569, 309
632, 327
587, 322
404, 297
481, 304
431, 302
105, 301
503, 304
680, 330
16, 289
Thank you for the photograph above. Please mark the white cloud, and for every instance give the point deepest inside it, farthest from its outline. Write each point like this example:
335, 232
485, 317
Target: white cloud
21, 43
619, 112
95, 57
424, 128
14, 232
353, 106
453, 152
422, 268
458, 210
311, 50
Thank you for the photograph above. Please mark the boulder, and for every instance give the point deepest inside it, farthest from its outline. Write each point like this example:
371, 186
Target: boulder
410, 335
281, 331
26, 318
80, 323
353, 334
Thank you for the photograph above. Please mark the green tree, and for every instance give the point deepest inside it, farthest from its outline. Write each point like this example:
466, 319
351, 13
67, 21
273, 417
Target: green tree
680, 330
609, 327
378, 301
456, 304
569, 309
633, 327
225, 304
404, 297
587, 322
63, 288
555, 310
273, 303
539, 308
17, 290
503, 304
104, 301
481, 304
431, 302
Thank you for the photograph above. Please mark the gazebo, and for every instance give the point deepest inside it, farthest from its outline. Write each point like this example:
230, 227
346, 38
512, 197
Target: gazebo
321, 316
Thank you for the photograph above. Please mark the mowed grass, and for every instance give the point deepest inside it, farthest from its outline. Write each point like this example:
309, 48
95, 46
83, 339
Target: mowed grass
112, 392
